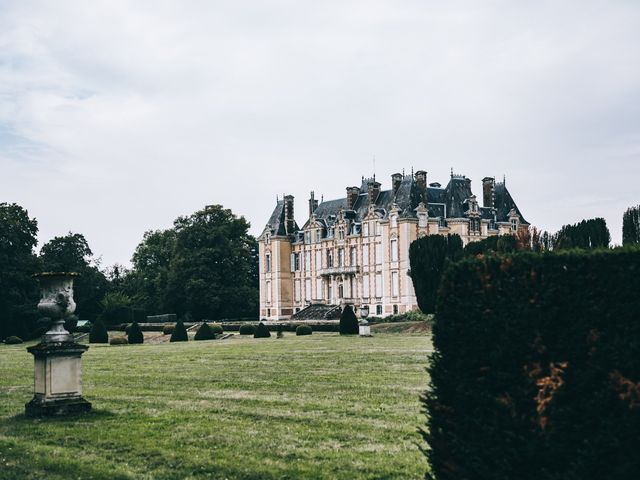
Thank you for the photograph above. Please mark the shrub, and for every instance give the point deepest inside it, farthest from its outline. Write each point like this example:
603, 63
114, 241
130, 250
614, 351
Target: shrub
119, 341
348, 322
536, 368
217, 329
205, 332
116, 309
98, 333
135, 335
168, 329
179, 333
279, 331
12, 340
429, 256
631, 226
247, 330
261, 331
303, 330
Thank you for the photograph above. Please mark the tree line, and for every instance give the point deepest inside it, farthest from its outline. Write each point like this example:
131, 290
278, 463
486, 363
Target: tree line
204, 267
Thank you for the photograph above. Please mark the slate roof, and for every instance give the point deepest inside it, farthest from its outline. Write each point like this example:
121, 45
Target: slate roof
447, 202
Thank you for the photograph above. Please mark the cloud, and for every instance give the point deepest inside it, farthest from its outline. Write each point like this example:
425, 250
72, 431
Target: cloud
116, 117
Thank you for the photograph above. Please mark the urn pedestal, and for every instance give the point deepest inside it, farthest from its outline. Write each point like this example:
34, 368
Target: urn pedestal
57, 358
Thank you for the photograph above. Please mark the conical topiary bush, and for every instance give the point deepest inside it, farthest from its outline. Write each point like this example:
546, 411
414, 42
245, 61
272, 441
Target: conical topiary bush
205, 332
179, 333
98, 333
348, 322
262, 331
135, 334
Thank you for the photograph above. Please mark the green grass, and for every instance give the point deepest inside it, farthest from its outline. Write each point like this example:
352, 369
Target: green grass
321, 406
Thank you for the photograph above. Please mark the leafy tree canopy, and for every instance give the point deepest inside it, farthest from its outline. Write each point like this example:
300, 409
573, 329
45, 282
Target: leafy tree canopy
631, 226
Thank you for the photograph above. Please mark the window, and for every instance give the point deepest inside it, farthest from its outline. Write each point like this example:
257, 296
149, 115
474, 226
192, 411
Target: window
329, 258
353, 288
379, 254
267, 263
307, 237
268, 312
474, 225
307, 289
365, 286
319, 288
341, 257
378, 285
354, 256
365, 229
341, 233
378, 229
514, 225
318, 261
394, 250
307, 261
394, 284
378, 309
365, 255
295, 262
340, 291
395, 309
297, 290
318, 235
269, 292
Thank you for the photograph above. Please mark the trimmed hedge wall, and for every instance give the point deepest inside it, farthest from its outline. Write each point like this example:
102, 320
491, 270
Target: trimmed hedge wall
536, 370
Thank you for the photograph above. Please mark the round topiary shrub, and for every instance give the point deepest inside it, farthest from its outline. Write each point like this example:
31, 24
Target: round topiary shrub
98, 333
135, 334
119, 341
247, 330
217, 329
303, 330
13, 340
179, 333
348, 322
262, 331
205, 332
168, 329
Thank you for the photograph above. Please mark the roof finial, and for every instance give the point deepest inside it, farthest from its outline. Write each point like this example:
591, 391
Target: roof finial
451, 172
504, 179
412, 170
374, 167
403, 171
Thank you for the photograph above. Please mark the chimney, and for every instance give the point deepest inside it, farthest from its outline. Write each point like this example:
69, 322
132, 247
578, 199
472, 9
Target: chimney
373, 191
488, 192
313, 204
396, 180
421, 182
352, 197
289, 221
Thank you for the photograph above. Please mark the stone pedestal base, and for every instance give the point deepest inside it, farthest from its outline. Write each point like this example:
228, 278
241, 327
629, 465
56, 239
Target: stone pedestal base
57, 384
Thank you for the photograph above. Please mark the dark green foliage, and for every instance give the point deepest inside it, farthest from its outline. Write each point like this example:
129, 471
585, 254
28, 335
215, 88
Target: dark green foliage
139, 315
13, 340
179, 333
18, 289
261, 331
71, 253
247, 330
205, 332
586, 234
348, 322
168, 329
70, 323
119, 341
135, 335
116, 309
536, 370
495, 244
303, 330
429, 256
217, 329
279, 331
631, 226
98, 333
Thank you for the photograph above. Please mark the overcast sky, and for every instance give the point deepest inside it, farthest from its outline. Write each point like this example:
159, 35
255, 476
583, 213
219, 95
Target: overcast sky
118, 116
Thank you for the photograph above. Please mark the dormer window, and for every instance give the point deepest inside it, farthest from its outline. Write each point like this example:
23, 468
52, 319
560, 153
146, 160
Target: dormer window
514, 224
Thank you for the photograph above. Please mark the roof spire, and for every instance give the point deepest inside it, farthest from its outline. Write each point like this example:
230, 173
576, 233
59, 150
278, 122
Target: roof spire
451, 172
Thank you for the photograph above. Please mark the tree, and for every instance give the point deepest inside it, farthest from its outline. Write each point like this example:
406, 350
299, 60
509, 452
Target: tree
71, 253
116, 308
179, 333
214, 271
348, 322
631, 226
428, 257
18, 263
135, 334
586, 234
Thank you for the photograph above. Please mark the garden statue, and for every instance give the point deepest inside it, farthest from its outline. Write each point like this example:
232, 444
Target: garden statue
57, 369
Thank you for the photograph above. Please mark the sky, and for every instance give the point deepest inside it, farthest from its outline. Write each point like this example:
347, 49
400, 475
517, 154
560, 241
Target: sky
116, 117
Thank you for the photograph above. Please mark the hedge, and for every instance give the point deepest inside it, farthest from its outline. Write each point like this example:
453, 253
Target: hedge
536, 370
246, 329
303, 330
205, 332
261, 331
348, 322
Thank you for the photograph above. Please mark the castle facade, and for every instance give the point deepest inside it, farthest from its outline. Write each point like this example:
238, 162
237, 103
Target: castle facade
355, 250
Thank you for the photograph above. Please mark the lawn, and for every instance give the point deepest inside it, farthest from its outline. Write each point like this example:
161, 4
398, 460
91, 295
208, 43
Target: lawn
321, 406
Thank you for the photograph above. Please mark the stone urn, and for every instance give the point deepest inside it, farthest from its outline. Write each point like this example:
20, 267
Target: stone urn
57, 358
56, 302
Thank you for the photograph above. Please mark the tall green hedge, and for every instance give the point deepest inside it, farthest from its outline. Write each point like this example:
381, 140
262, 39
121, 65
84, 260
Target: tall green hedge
428, 256
179, 333
536, 370
348, 321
